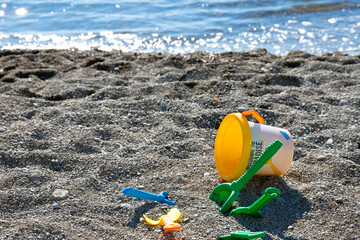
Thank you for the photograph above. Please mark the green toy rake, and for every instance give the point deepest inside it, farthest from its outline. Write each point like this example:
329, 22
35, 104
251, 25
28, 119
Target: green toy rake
226, 193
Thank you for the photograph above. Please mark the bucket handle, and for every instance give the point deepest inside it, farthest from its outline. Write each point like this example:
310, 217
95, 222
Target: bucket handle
254, 114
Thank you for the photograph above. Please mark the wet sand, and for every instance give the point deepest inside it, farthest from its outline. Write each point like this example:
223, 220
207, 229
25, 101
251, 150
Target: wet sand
92, 123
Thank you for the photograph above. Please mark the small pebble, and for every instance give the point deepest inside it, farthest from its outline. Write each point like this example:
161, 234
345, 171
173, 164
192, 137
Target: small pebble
242, 109
339, 200
34, 177
276, 114
65, 93
290, 227
163, 106
141, 187
329, 141
157, 230
41, 135
61, 193
55, 205
179, 179
291, 119
321, 157
125, 205
206, 174
343, 102
164, 206
192, 149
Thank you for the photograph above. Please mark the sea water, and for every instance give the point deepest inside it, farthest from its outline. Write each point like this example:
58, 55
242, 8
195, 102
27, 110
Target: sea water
182, 26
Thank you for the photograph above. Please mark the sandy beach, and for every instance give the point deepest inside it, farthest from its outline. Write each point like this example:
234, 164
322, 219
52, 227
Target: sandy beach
91, 123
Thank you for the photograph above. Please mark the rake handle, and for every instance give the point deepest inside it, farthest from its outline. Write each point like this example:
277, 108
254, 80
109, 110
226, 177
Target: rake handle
267, 154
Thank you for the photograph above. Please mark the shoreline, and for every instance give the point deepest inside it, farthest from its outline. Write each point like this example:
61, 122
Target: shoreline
94, 123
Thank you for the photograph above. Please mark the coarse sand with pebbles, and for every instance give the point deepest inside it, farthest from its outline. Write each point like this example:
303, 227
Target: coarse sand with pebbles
78, 127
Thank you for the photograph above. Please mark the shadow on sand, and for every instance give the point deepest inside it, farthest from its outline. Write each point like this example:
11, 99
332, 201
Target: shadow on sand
139, 212
279, 213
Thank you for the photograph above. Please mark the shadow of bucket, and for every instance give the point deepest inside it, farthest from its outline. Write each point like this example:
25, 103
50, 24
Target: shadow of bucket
239, 143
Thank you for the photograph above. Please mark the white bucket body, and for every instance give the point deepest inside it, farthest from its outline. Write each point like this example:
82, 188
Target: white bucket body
261, 137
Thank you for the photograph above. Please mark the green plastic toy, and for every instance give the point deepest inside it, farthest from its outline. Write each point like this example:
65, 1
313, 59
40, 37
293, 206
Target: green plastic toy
226, 193
253, 210
243, 235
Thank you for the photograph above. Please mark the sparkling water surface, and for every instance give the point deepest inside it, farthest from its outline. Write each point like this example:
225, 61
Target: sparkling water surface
315, 26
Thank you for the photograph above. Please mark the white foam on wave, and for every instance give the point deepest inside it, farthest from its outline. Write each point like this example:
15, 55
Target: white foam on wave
21, 11
278, 39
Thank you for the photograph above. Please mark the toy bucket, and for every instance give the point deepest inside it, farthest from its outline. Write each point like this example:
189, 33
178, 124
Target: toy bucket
239, 143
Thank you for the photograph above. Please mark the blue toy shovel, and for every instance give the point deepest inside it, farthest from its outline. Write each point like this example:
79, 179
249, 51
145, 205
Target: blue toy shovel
132, 192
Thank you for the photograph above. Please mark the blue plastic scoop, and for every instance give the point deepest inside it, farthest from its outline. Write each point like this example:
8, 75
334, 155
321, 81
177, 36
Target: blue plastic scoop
161, 198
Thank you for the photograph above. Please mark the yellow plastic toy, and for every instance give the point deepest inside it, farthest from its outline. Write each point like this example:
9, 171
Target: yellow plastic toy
167, 220
240, 142
232, 147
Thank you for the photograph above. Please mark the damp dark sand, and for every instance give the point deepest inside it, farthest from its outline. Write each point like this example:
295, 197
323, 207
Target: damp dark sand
93, 123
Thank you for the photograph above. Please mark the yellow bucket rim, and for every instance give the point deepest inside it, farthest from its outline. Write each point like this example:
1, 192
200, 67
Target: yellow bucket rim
245, 147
